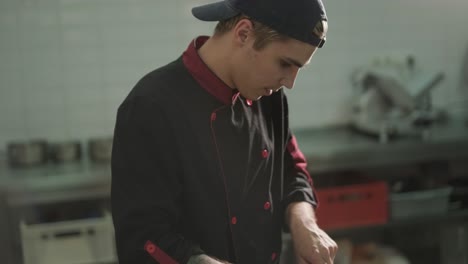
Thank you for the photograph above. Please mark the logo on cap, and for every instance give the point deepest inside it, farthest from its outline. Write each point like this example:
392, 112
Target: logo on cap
320, 29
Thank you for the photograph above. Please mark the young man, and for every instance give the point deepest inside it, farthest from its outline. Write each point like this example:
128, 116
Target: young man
204, 166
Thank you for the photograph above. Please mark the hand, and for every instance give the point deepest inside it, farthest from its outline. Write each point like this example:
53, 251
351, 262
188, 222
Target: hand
204, 259
311, 244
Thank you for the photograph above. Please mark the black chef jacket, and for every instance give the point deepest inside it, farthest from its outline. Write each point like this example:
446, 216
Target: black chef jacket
197, 168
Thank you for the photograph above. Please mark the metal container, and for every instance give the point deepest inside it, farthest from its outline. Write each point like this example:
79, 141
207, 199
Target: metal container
454, 244
64, 152
420, 203
100, 149
27, 154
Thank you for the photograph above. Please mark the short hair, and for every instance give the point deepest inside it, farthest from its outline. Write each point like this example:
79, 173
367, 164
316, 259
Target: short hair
264, 34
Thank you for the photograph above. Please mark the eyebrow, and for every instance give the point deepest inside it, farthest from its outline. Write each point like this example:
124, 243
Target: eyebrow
295, 62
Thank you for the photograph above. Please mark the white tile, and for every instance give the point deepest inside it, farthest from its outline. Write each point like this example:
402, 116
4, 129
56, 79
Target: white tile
31, 39
81, 14
77, 75
45, 120
9, 5
76, 3
36, 15
85, 114
116, 92
88, 120
45, 61
10, 88
143, 11
97, 50
80, 36
112, 14
8, 19
156, 11
43, 96
134, 34
86, 56
43, 75
12, 118
121, 74
79, 95
9, 48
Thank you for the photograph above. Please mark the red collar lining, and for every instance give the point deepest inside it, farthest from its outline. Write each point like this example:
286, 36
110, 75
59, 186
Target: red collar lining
203, 75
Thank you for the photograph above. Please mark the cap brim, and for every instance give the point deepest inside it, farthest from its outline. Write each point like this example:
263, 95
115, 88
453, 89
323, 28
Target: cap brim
214, 12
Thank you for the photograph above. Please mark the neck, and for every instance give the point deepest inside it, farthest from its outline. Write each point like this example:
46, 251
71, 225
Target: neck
214, 54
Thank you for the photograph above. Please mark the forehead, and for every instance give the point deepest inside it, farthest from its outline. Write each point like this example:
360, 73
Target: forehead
291, 48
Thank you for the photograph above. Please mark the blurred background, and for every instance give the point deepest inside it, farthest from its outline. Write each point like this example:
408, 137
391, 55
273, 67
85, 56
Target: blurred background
380, 113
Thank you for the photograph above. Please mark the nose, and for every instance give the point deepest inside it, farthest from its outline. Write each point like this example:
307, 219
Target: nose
290, 78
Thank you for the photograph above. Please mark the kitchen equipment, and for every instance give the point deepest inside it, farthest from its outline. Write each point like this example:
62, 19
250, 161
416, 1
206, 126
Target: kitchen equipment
464, 71
372, 253
100, 149
464, 82
352, 205
63, 152
27, 154
345, 252
454, 244
394, 99
420, 203
459, 196
74, 241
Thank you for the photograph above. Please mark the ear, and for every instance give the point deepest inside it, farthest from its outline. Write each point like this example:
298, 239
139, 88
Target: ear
243, 31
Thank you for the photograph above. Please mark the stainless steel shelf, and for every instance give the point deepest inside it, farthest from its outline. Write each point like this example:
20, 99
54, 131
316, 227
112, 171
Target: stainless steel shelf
341, 148
455, 215
51, 183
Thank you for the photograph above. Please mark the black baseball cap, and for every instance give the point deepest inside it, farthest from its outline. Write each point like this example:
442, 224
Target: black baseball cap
293, 18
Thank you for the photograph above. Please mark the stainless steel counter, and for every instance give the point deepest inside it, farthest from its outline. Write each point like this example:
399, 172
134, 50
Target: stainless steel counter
340, 148
54, 183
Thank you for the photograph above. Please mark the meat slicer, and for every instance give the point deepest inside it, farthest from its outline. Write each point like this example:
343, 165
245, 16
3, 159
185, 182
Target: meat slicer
394, 99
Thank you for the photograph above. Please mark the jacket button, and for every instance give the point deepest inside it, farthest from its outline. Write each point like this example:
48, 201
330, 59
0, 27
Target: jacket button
150, 248
273, 256
213, 116
265, 153
267, 206
234, 220
249, 102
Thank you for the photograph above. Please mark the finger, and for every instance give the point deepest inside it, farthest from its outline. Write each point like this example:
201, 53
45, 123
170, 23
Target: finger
336, 248
333, 250
325, 254
332, 247
327, 260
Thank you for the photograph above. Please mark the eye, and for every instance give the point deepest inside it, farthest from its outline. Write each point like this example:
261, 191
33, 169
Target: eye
284, 64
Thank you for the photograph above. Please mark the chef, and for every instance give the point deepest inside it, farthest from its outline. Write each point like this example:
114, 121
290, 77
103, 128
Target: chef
204, 166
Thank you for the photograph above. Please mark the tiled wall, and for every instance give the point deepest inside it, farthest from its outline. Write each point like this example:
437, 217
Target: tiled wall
65, 65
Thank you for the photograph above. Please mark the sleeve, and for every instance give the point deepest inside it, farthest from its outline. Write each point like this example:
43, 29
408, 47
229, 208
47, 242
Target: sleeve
145, 187
298, 184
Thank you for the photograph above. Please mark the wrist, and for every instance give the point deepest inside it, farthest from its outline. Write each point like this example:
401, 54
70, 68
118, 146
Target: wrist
204, 259
199, 259
300, 214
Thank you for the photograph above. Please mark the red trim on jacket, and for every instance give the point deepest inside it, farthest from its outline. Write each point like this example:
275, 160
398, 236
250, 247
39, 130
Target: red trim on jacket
203, 75
159, 255
213, 134
300, 163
